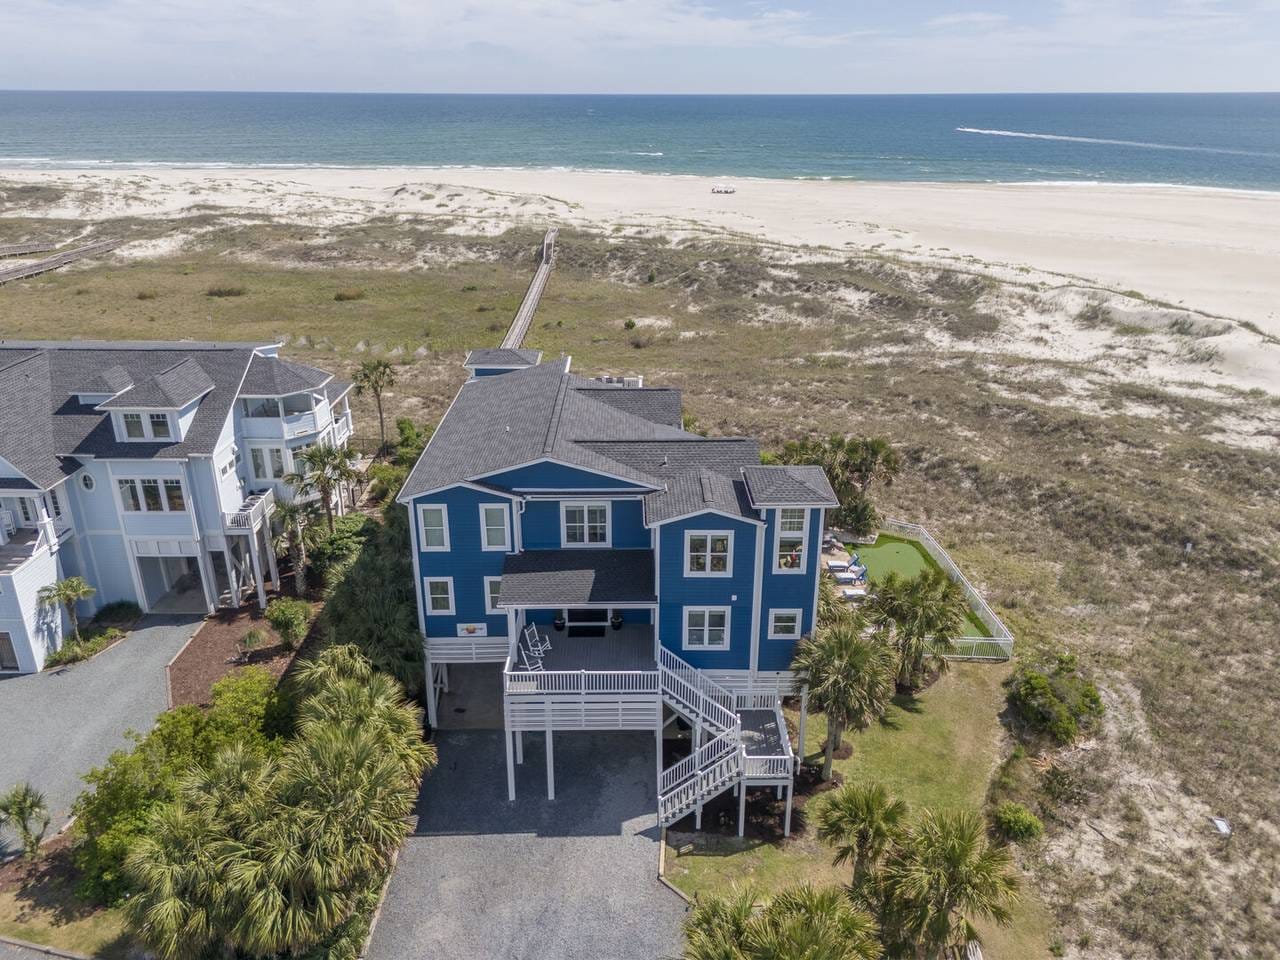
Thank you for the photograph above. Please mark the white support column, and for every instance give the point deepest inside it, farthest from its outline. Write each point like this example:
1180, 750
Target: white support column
430, 673
271, 555
257, 572
444, 676
804, 716
779, 793
742, 809
207, 580
551, 766
511, 769
786, 822
519, 735
657, 734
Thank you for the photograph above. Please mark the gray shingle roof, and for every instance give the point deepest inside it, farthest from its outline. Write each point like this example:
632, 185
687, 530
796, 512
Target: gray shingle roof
496, 423
502, 357
274, 377
110, 381
336, 388
658, 404
780, 485
44, 427
174, 387
560, 577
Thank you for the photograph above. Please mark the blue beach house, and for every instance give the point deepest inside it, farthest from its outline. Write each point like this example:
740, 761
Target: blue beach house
620, 572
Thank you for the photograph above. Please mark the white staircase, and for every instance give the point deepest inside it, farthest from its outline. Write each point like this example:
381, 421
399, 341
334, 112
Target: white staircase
713, 766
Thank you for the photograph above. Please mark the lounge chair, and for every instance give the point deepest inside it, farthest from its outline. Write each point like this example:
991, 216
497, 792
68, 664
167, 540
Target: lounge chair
529, 662
538, 644
837, 566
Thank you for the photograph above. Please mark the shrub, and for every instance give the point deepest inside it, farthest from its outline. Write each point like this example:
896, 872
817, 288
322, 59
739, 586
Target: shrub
653, 275
118, 613
330, 553
1056, 701
640, 342
470, 288
252, 640
289, 618
1015, 822
629, 325
147, 294
93, 640
225, 292
348, 293
112, 815
385, 479
858, 515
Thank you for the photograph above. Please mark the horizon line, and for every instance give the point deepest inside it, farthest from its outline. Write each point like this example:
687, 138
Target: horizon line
553, 93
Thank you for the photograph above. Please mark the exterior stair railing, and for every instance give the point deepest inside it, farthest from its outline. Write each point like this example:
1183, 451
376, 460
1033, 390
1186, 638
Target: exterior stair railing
713, 766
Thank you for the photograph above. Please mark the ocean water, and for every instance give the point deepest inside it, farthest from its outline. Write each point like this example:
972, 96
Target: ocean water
1218, 140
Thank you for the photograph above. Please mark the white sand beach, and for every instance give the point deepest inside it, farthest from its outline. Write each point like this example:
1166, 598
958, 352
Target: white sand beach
1216, 251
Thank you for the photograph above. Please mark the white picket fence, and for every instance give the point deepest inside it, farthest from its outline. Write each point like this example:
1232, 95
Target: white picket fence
999, 646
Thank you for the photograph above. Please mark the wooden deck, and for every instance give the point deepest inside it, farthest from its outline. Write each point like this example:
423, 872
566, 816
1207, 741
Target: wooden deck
761, 735
18, 550
21, 249
628, 649
533, 296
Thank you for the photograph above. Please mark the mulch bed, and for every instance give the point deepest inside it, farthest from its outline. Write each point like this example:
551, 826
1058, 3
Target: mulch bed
53, 866
215, 652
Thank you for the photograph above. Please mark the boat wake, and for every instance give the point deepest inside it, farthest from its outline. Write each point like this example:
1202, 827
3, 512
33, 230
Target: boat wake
1115, 143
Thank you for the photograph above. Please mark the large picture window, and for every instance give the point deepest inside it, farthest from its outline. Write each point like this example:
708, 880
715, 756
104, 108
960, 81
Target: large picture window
706, 628
708, 553
433, 524
152, 496
586, 524
792, 538
494, 534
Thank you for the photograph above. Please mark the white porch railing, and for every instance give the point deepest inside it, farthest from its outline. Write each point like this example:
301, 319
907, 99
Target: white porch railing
580, 681
462, 650
999, 646
251, 512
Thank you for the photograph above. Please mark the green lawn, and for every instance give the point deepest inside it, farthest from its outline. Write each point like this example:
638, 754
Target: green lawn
906, 558
48, 913
938, 751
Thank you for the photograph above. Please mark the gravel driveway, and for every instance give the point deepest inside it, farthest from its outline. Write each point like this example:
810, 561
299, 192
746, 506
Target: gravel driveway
570, 879
58, 723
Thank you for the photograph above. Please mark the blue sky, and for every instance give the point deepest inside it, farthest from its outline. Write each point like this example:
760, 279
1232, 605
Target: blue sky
642, 46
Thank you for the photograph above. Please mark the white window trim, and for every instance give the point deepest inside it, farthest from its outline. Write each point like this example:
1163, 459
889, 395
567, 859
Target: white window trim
426, 597
777, 541
565, 505
151, 425
506, 527
490, 610
728, 628
136, 483
422, 527
727, 572
796, 612
144, 419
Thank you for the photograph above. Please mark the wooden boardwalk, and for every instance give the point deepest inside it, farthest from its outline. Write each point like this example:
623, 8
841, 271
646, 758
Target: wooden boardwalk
23, 271
19, 249
524, 316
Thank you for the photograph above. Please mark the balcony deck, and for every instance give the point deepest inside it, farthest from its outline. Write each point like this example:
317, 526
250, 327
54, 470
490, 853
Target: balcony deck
622, 661
18, 550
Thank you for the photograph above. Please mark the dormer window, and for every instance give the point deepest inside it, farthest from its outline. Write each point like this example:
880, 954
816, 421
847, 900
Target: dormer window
133, 426
160, 426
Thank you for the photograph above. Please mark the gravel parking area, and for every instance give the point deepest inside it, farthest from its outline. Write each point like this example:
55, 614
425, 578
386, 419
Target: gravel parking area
59, 723
570, 879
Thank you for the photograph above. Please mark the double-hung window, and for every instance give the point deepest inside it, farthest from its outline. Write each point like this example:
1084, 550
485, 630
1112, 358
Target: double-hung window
492, 591
433, 527
129, 498
708, 553
133, 426
494, 532
268, 462
173, 495
706, 628
160, 426
151, 501
784, 624
793, 534
439, 595
586, 524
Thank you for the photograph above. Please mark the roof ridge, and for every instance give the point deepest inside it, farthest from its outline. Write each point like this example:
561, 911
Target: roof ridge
553, 426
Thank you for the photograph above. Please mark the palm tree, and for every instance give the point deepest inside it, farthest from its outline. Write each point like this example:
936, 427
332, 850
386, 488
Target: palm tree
921, 615
799, 923
67, 593
24, 807
871, 459
376, 376
863, 823
850, 678
322, 470
945, 874
295, 516
832, 607
852, 464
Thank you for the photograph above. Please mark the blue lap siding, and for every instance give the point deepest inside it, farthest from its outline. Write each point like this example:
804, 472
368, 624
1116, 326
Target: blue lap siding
787, 591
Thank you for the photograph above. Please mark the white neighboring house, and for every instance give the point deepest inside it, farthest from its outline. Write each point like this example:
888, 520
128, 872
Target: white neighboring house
151, 469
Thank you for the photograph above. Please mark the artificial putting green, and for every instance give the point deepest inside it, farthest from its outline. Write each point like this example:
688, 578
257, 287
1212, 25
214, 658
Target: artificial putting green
906, 558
